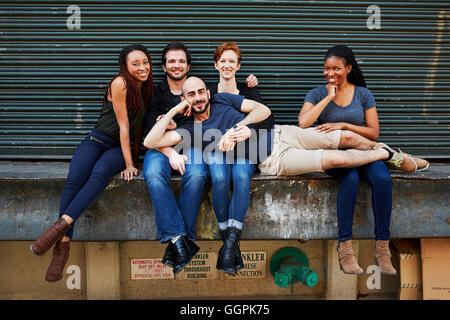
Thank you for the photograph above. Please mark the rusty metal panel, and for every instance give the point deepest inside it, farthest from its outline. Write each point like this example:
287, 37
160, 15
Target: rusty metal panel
53, 75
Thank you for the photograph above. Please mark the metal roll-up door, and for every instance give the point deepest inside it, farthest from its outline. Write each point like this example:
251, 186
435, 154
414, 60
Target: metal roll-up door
52, 78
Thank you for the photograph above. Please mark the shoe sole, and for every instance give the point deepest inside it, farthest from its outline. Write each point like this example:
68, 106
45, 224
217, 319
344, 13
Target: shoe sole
229, 272
169, 264
50, 281
178, 270
354, 274
384, 273
239, 267
424, 168
34, 252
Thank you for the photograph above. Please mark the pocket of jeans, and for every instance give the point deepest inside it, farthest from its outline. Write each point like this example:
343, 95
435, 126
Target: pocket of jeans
91, 138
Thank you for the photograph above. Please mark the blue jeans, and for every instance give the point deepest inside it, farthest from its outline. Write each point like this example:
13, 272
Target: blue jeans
240, 173
95, 161
377, 176
171, 218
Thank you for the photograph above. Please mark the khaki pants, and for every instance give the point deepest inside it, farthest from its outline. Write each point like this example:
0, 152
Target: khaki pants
297, 151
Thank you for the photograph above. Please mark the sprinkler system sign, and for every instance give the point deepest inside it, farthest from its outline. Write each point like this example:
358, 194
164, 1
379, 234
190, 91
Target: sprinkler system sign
202, 266
255, 266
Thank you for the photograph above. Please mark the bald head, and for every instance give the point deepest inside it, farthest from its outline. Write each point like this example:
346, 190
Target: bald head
195, 92
192, 83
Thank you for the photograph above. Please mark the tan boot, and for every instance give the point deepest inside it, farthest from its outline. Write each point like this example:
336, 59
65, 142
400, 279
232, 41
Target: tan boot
383, 257
347, 258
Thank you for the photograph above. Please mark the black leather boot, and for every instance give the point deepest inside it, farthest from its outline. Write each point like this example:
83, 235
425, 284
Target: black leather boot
224, 234
183, 254
193, 246
228, 251
169, 257
239, 264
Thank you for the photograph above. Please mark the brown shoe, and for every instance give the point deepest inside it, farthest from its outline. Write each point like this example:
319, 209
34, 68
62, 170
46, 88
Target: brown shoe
421, 164
347, 258
398, 160
383, 257
60, 256
50, 236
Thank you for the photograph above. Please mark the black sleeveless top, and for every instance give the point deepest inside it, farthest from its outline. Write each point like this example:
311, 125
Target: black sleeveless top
107, 123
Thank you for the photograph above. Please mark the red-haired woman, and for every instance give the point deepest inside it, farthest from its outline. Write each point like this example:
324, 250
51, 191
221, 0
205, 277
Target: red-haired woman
103, 153
227, 60
231, 211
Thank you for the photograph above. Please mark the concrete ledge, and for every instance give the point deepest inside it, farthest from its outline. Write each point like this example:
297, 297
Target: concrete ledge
297, 207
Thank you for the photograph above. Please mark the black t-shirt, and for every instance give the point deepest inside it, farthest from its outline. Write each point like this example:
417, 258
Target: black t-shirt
163, 100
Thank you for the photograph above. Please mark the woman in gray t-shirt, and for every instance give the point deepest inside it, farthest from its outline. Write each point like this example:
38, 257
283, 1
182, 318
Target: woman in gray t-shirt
345, 103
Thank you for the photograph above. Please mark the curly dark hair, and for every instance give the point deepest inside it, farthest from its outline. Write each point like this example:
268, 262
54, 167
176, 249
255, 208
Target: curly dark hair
355, 76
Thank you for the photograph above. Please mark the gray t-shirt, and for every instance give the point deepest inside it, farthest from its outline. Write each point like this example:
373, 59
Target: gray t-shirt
353, 113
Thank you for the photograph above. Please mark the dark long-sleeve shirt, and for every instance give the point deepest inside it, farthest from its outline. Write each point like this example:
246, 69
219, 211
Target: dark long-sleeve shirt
163, 100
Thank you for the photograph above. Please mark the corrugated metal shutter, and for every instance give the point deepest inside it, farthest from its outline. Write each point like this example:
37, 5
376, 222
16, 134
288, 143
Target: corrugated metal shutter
52, 79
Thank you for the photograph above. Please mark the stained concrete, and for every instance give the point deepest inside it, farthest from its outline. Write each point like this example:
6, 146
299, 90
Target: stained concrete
281, 207
105, 273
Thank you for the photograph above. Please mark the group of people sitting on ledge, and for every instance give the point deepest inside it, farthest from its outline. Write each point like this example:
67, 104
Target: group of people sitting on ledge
224, 132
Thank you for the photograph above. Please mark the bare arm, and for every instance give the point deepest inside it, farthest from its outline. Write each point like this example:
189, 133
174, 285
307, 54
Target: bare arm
371, 130
310, 113
159, 137
119, 96
256, 112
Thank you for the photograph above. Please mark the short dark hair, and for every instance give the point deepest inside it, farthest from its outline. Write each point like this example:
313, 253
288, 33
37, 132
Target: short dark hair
175, 46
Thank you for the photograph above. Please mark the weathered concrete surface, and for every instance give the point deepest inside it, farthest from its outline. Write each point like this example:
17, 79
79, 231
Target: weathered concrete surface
281, 207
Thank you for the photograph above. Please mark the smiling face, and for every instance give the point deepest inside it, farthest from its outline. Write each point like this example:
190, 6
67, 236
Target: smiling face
195, 92
335, 71
227, 64
176, 65
138, 65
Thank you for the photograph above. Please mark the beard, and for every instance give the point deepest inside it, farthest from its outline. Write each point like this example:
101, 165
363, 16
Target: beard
202, 110
176, 78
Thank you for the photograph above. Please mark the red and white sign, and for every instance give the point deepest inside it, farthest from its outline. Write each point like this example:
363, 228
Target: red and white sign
150, 269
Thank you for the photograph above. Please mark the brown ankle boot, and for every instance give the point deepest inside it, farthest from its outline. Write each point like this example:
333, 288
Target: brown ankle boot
347, 258
60, 256
50, 236
383, 257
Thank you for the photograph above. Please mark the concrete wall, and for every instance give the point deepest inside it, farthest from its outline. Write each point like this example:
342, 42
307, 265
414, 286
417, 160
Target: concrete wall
105, 273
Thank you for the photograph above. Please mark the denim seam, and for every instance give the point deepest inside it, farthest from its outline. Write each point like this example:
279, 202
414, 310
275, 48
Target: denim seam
353, 214
375, 209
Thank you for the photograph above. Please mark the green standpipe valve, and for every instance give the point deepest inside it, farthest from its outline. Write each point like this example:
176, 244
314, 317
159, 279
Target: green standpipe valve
290, 265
